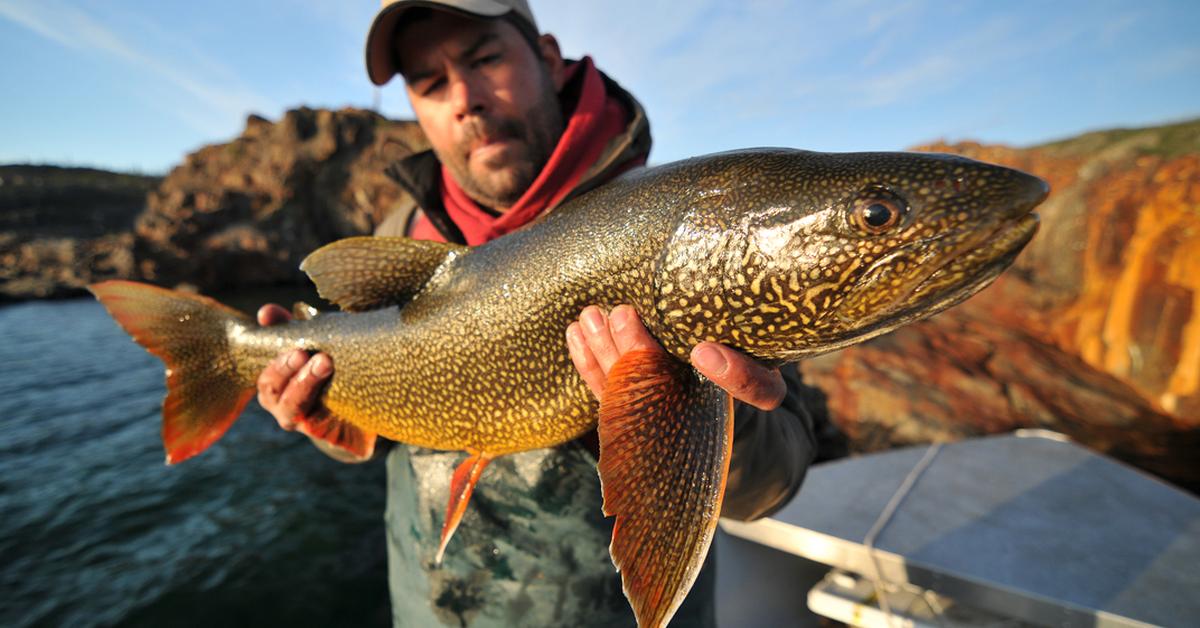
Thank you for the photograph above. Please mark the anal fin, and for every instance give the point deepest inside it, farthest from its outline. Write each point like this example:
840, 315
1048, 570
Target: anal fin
461, 487
665, 438
335, 436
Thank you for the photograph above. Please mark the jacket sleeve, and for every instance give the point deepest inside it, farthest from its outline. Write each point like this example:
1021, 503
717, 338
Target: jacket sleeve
771, 453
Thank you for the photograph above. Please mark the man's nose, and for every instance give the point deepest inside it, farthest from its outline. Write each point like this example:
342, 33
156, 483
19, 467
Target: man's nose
467, 95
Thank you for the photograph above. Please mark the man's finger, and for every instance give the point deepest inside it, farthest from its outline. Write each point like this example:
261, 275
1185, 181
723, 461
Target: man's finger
628, 332
743, 377
584, 360
300, 394
598, 336
274, 380
272, 314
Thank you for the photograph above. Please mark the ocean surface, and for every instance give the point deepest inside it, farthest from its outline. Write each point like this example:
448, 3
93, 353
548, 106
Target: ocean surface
95, 530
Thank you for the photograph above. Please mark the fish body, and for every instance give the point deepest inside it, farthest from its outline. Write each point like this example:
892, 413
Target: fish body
779, 253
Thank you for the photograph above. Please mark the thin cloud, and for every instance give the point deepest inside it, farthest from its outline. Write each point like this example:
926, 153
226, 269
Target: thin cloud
886, 27
1112, 30
887, 15
73, 28
349, 18
938, 68
1184, 61
936, 71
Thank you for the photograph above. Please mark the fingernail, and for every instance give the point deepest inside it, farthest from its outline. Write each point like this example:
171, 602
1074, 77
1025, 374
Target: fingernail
708, 359
321, 367
620, 317
593, 319
295, 359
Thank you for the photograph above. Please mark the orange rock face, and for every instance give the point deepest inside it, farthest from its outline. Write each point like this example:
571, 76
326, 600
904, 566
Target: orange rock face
1095, 331
1125, 230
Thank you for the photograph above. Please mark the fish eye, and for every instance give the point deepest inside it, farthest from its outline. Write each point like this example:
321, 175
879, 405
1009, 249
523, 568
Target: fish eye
877, 211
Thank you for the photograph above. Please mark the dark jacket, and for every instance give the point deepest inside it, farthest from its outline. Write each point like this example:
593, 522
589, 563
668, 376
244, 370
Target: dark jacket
532, 549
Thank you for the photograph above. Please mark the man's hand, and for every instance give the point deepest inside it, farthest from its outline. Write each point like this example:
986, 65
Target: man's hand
597, 341
291, 382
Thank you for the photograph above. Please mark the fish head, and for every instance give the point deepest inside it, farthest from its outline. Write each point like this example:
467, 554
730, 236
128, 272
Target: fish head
804, 253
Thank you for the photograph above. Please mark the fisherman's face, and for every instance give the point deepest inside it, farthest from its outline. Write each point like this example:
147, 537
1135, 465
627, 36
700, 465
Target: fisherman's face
485, 99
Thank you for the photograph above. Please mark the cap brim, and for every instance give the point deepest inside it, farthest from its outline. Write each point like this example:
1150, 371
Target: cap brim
381, 65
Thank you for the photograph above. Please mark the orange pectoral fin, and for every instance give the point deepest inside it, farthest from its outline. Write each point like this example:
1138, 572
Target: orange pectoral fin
665, 438
461, 487
337, 437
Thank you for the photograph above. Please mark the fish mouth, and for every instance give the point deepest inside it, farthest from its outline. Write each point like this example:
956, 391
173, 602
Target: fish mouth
978, 263
975, 265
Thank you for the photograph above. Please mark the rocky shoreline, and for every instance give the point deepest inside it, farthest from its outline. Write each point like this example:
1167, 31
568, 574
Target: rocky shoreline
234, 215
62, 228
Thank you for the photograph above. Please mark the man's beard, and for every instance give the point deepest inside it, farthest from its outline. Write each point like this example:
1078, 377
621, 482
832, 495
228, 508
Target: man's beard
505, 183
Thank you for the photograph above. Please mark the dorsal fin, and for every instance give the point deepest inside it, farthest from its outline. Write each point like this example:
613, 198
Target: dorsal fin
368, 273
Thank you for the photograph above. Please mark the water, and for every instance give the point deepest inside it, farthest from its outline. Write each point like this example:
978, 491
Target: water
95, 530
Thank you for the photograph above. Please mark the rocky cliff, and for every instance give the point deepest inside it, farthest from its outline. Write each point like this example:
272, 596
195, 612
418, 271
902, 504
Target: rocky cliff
239, 214
245, 213
1095, 332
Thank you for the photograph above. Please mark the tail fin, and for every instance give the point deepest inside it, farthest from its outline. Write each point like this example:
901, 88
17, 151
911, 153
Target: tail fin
188, 333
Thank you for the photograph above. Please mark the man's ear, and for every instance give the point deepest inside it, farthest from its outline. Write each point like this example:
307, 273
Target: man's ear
551, 55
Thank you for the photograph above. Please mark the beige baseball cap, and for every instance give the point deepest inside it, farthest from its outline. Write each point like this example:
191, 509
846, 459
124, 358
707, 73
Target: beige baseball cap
381, 65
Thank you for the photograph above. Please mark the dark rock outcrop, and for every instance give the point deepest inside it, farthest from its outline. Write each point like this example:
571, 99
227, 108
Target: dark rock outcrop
233, 215
246, 213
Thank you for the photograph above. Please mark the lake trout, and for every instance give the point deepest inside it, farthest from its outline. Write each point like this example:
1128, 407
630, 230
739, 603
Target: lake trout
782, 254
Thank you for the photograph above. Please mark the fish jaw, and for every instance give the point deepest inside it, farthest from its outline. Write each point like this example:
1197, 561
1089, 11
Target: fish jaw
942, 290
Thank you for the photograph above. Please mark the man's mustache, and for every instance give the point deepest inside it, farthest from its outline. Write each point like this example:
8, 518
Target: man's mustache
480, 129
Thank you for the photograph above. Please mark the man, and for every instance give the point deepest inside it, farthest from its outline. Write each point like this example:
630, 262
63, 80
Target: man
516, 130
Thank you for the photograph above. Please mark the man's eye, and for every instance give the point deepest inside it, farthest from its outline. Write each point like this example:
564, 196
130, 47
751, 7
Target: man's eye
487, 59
433, 86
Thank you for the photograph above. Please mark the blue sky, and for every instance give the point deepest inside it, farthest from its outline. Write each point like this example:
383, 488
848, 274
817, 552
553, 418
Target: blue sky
135, 85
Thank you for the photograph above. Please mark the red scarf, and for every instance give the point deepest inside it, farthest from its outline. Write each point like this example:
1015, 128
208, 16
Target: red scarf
597, 119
